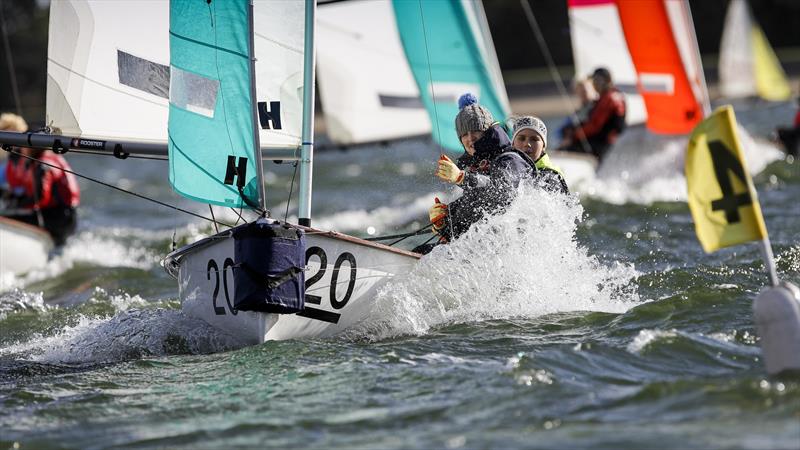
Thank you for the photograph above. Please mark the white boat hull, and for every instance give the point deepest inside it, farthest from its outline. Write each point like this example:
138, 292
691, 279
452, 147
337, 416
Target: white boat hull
23, 247
579, 169
360, 268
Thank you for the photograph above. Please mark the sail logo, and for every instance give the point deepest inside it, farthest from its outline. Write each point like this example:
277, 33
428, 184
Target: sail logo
236, 170
273, 115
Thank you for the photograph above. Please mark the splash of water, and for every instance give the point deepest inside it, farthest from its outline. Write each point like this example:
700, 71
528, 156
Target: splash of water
644, 167
523, 263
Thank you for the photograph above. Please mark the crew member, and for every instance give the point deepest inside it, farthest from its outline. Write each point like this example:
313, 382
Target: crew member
49, 196
530, 137
606, 120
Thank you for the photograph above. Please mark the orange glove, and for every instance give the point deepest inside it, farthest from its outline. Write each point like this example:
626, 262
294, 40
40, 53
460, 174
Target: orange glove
448, 171
437, 214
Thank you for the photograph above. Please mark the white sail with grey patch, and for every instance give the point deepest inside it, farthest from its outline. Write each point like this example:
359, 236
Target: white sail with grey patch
108, 71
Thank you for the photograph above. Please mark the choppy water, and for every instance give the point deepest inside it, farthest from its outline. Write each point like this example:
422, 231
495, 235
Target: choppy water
598, 323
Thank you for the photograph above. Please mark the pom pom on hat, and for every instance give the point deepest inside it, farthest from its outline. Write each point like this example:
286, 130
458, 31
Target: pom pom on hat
472, 116
466, 100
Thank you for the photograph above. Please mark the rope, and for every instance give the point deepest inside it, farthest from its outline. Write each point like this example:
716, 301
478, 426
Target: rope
562, 89
402, 235
291, 188
94, 180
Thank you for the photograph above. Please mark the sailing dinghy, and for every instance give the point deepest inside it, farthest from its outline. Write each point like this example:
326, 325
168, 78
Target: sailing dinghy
748, 66
215, 114
24, 247
215, 86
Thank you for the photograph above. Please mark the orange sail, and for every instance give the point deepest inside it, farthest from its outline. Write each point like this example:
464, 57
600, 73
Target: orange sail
661, 42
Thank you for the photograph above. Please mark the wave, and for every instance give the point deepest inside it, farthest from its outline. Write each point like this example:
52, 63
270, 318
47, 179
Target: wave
523, 263
644, 168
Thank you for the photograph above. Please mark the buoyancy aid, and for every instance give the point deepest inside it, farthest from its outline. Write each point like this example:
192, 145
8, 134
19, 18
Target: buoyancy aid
552, 174
44, 186
606, 120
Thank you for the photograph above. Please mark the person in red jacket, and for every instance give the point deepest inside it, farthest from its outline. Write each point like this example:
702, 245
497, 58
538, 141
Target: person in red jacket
49, 195
789, 137
605, 122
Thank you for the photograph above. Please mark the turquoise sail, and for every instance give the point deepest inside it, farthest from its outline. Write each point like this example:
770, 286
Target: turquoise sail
449, 56
212, 144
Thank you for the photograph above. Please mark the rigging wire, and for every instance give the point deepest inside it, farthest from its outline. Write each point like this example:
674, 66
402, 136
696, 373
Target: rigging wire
562, 89
401, 235
433, 99
94, 180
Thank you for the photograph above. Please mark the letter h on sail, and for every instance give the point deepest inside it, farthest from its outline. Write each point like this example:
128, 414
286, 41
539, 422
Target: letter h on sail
273, 114
237, 171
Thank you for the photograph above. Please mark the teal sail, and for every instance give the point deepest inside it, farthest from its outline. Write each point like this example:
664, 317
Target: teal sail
451, 55
212, 140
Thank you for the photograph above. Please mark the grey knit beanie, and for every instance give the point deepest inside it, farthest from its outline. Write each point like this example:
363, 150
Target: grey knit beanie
530, 123
472, 116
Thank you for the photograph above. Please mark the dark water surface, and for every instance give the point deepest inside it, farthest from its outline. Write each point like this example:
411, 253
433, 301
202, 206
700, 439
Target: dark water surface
615, 332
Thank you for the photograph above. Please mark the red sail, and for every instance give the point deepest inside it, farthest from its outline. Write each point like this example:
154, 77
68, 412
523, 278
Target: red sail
672, 104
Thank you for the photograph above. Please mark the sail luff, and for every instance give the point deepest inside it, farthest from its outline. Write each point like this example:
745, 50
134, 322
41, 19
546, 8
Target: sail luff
307, 144
262, 195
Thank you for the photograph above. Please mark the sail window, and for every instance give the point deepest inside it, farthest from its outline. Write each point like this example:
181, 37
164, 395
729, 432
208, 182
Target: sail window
193, 92
657, 83
144, 75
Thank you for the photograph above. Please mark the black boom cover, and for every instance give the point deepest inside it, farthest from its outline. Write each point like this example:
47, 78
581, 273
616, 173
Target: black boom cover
269, 268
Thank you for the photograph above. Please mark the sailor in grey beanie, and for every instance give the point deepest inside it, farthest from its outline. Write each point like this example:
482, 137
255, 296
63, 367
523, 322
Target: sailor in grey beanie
472, 116
530, 123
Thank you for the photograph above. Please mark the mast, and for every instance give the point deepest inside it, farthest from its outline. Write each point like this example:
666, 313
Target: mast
705, 100
262, 198
307, 145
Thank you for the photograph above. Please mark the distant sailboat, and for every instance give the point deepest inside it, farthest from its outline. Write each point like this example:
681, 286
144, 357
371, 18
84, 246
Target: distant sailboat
598, 41
367, 92
748, 66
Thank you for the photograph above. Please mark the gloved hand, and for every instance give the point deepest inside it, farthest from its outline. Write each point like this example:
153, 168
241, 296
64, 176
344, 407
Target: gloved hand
448, 171
438, 214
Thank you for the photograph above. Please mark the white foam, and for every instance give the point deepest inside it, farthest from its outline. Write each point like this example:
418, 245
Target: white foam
523, 263
99, 247
647, 336
643, 167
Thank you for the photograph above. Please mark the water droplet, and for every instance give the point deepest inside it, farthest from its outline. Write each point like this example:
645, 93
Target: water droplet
370, 230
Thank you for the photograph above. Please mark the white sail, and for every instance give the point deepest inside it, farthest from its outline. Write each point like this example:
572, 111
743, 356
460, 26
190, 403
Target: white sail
736, 60
367, 90
598, 41
108, 69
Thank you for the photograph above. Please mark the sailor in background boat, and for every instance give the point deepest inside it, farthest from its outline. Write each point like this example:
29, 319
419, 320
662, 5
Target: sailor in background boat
605, 122
492, 171
530, 137
587, 98
790, 137
40, 195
